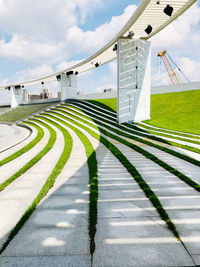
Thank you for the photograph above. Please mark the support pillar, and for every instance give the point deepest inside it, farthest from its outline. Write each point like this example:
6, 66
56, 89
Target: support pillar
134, 80
68, 86
16, 96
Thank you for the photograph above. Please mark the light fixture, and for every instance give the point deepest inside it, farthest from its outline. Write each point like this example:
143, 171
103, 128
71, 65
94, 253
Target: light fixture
168, 10
96, 64
69, 72
130, 34
148, 29
58, 77
115, 47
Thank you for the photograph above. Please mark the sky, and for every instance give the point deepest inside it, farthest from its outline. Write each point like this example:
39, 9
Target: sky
39, 39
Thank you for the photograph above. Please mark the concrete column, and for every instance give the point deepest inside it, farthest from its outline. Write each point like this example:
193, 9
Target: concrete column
68, 86
16, 96
134, 80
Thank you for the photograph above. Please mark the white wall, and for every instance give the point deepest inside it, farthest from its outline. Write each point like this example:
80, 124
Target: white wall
154, 90
175, 88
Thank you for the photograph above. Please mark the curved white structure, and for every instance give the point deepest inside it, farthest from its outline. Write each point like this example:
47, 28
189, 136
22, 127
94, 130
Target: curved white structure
149, 16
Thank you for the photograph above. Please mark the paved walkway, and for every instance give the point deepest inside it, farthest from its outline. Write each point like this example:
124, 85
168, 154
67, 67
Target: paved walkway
13, 166
183, 166
112, 120
17, 196
11, 135
57, 232
17, 147
161, 129
172, 190
129, 230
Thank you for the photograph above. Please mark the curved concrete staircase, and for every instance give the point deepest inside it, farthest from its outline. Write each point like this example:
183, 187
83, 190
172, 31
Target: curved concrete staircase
90, 192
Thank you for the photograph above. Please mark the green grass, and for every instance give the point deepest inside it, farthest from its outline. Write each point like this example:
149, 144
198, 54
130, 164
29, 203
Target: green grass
148, 127
126, 134
131, 169
34, 160
92, 166
169, 136
48, 184
21, 112
107, 103
176, 111
39, 136
145, 153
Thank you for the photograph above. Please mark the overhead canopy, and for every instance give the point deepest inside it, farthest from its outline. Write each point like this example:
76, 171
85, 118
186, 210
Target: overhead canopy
150, 17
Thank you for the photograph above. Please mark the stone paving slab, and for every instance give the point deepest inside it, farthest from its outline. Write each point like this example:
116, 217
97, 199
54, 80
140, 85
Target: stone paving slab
180, 150
179, 132
137, 242
13, 166
47, 261
183, 219
17, 147
183, 166
156, 173
17, 197
128, 233
43, 241
11, 135
59, 226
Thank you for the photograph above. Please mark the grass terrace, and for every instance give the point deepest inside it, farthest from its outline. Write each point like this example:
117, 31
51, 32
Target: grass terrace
179, 111
24, 111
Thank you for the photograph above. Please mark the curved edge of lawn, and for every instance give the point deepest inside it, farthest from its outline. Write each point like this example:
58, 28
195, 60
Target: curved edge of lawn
39, 136
48, 184
145, 153
134, 173
93, 178
102, 104
139, 132
35, 159
20, 125
148, 126
166, 134
165, 149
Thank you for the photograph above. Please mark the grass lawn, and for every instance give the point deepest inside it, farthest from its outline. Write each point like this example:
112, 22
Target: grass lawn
178, 111
109, 103
23, 111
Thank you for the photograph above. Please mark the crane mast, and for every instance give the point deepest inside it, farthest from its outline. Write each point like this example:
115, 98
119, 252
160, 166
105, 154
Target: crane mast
170, 70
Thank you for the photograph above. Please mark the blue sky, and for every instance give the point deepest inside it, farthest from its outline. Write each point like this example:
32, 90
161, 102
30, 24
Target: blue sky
36, 40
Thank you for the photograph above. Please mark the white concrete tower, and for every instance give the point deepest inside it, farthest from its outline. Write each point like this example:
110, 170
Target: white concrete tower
134, 80
16, 96
68, 85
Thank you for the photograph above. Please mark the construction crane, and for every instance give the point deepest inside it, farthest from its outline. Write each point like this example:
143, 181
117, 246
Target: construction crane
170, 70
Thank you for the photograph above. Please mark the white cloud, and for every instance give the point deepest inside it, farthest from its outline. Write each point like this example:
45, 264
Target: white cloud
66, 64
92, 41
42, 19
37, 30
113, 67
4, 82
32, 73
34, 52
190, 68
179, 31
